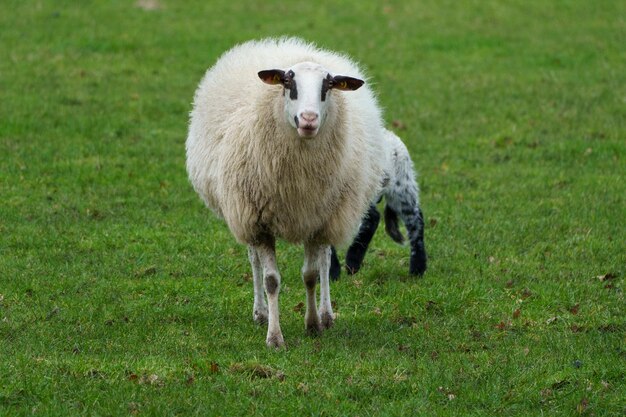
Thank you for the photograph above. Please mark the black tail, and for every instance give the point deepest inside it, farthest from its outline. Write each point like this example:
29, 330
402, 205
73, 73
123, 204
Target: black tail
391, 225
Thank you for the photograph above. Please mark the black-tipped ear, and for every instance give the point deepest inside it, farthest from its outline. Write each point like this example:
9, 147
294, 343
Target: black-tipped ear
272, 77
344, 83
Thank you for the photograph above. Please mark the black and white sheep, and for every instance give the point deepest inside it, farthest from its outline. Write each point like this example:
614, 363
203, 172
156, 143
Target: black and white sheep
300, 159
401, 194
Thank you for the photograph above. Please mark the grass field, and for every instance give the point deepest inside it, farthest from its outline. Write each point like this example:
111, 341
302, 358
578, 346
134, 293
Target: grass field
121, 294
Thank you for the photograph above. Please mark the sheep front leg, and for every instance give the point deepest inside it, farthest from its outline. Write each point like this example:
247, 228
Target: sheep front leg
271, 281
259, 310
310, 272
326, 310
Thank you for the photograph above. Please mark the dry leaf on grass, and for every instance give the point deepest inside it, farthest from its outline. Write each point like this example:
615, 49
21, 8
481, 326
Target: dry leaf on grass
576, 329
607, 277
214, 368
257, 370
502, 325
398, 124
149, 5
449, 394
152, 379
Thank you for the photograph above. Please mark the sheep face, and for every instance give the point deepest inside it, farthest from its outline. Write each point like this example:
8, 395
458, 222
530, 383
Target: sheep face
307, 88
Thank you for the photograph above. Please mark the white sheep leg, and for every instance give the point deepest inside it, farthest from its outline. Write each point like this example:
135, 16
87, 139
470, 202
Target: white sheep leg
271, 279
326, 310
310, 272
259, 309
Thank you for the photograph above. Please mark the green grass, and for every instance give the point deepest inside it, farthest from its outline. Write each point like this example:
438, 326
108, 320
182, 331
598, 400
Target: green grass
121, 294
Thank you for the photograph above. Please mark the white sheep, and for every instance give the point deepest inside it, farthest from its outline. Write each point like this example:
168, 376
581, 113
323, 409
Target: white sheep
401, 194
300, 159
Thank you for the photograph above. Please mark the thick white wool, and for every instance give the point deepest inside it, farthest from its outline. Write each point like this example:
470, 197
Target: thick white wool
250, 166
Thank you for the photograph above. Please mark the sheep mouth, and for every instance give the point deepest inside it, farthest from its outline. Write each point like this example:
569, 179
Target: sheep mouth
307, 131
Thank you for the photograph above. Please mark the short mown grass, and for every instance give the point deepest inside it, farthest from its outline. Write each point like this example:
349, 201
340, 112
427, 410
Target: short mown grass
121, 294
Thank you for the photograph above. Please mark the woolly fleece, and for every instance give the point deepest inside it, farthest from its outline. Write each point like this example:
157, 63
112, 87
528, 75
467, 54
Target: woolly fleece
253, 170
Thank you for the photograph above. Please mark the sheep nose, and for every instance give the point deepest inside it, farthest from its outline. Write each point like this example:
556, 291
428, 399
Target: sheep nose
309, 116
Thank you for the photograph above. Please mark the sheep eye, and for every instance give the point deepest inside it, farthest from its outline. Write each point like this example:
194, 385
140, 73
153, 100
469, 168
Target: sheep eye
288, 79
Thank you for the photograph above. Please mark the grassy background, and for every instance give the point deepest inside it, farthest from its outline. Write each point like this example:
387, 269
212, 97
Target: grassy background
121, 294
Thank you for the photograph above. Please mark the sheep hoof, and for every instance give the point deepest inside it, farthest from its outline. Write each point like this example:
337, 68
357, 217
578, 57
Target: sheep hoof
417, 264
417, 271
275, 340
260, 316
314, 327
314, 331
328, 319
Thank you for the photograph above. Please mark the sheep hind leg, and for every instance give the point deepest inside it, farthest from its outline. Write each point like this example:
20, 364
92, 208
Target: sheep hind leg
358, 248
413, 219
335, 265
403, 199
259, 309
271, 281
310, 273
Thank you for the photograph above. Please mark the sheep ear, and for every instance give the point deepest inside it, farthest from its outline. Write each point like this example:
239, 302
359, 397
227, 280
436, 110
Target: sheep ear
343, 83
272, 77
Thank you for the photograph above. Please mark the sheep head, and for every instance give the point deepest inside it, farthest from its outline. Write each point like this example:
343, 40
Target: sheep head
309, 87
